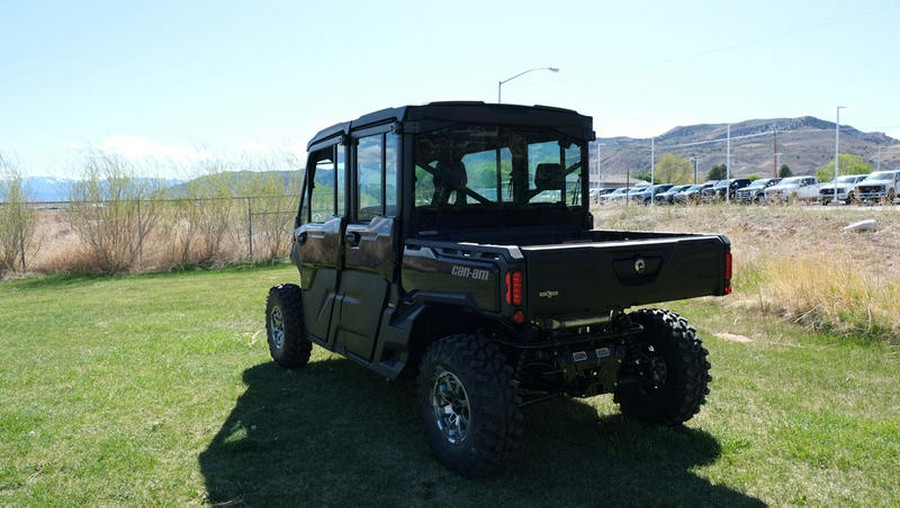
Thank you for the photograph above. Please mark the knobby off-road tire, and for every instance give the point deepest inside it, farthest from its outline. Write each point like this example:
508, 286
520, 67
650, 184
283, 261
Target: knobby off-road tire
288, 342
469, 405
665, 374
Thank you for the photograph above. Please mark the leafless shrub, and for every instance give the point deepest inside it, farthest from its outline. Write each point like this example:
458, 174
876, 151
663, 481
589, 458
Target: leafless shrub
111, 212
197, 224
18, 220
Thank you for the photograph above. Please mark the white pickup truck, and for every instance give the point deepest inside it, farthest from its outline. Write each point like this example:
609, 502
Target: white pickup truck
879, 186
794, 188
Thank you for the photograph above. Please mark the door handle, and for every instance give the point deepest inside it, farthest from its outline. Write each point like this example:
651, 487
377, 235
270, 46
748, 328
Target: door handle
352, 238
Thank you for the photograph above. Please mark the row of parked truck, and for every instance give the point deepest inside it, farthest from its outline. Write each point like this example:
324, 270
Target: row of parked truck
881, 186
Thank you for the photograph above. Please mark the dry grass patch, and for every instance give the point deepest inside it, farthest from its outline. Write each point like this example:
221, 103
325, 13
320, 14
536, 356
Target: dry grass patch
797, 262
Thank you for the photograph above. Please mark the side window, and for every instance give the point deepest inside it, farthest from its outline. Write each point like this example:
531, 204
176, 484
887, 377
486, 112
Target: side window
424, 185
321, 196
324, 195
390, 174
376, 176
370, 187
340, 181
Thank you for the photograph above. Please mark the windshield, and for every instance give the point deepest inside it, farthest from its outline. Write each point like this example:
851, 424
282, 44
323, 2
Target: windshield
758, 183
791, 181
482, 169
848, 179
880, 176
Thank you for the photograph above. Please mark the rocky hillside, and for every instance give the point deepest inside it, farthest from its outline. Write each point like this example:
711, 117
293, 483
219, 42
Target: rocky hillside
804, 144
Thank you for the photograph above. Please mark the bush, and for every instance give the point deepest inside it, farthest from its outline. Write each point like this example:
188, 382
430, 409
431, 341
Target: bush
198, 225
109, 213
18, 220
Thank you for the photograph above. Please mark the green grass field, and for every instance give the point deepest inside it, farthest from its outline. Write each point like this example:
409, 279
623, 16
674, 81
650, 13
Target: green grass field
158, 389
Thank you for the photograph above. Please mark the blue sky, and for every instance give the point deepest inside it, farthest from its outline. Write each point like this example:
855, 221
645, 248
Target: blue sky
183, 80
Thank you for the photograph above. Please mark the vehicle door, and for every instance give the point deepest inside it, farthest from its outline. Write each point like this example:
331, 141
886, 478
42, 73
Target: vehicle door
370, 241
318, 237
809, 188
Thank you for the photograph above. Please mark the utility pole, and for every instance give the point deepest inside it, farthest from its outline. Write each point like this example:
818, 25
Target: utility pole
775, 152
696, 158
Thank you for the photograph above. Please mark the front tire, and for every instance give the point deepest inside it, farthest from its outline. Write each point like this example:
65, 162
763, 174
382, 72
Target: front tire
289, 344
664, 378
469, 405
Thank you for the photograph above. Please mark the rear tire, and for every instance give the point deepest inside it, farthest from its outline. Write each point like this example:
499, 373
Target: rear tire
664, 378
289, 343
469, 405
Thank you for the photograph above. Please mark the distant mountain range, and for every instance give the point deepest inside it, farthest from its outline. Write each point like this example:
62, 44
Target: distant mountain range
45, 188
239, 183
49, 189
804, 144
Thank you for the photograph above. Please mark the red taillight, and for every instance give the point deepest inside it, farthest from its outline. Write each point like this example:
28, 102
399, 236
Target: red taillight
519, 316
515, 287
728, 273
518, 287
508, 288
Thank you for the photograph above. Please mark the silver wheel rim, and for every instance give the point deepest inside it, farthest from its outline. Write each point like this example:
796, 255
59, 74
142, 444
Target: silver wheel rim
277, 327
450, 404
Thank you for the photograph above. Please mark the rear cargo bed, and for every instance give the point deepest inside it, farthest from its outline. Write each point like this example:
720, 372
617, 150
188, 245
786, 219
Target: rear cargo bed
622, 269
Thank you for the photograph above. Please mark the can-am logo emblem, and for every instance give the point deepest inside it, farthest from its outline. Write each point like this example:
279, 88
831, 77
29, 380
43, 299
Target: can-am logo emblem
640, 265
550, 293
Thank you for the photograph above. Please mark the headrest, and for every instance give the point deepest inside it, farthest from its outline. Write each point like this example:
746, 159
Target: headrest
548, 175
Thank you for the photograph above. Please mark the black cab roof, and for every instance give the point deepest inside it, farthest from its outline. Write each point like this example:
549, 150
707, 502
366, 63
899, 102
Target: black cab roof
441, 114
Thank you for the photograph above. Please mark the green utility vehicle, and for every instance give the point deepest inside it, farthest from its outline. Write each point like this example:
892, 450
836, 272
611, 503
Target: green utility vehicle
452, 243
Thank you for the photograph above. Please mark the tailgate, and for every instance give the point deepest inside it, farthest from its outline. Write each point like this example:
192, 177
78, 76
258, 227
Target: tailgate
591, 279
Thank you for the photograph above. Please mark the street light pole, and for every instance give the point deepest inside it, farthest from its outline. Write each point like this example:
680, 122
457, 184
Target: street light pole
500, 83
837, 145
728, 165
652, 171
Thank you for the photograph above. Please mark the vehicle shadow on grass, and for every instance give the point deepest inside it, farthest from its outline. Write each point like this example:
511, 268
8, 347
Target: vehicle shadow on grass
333, 433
